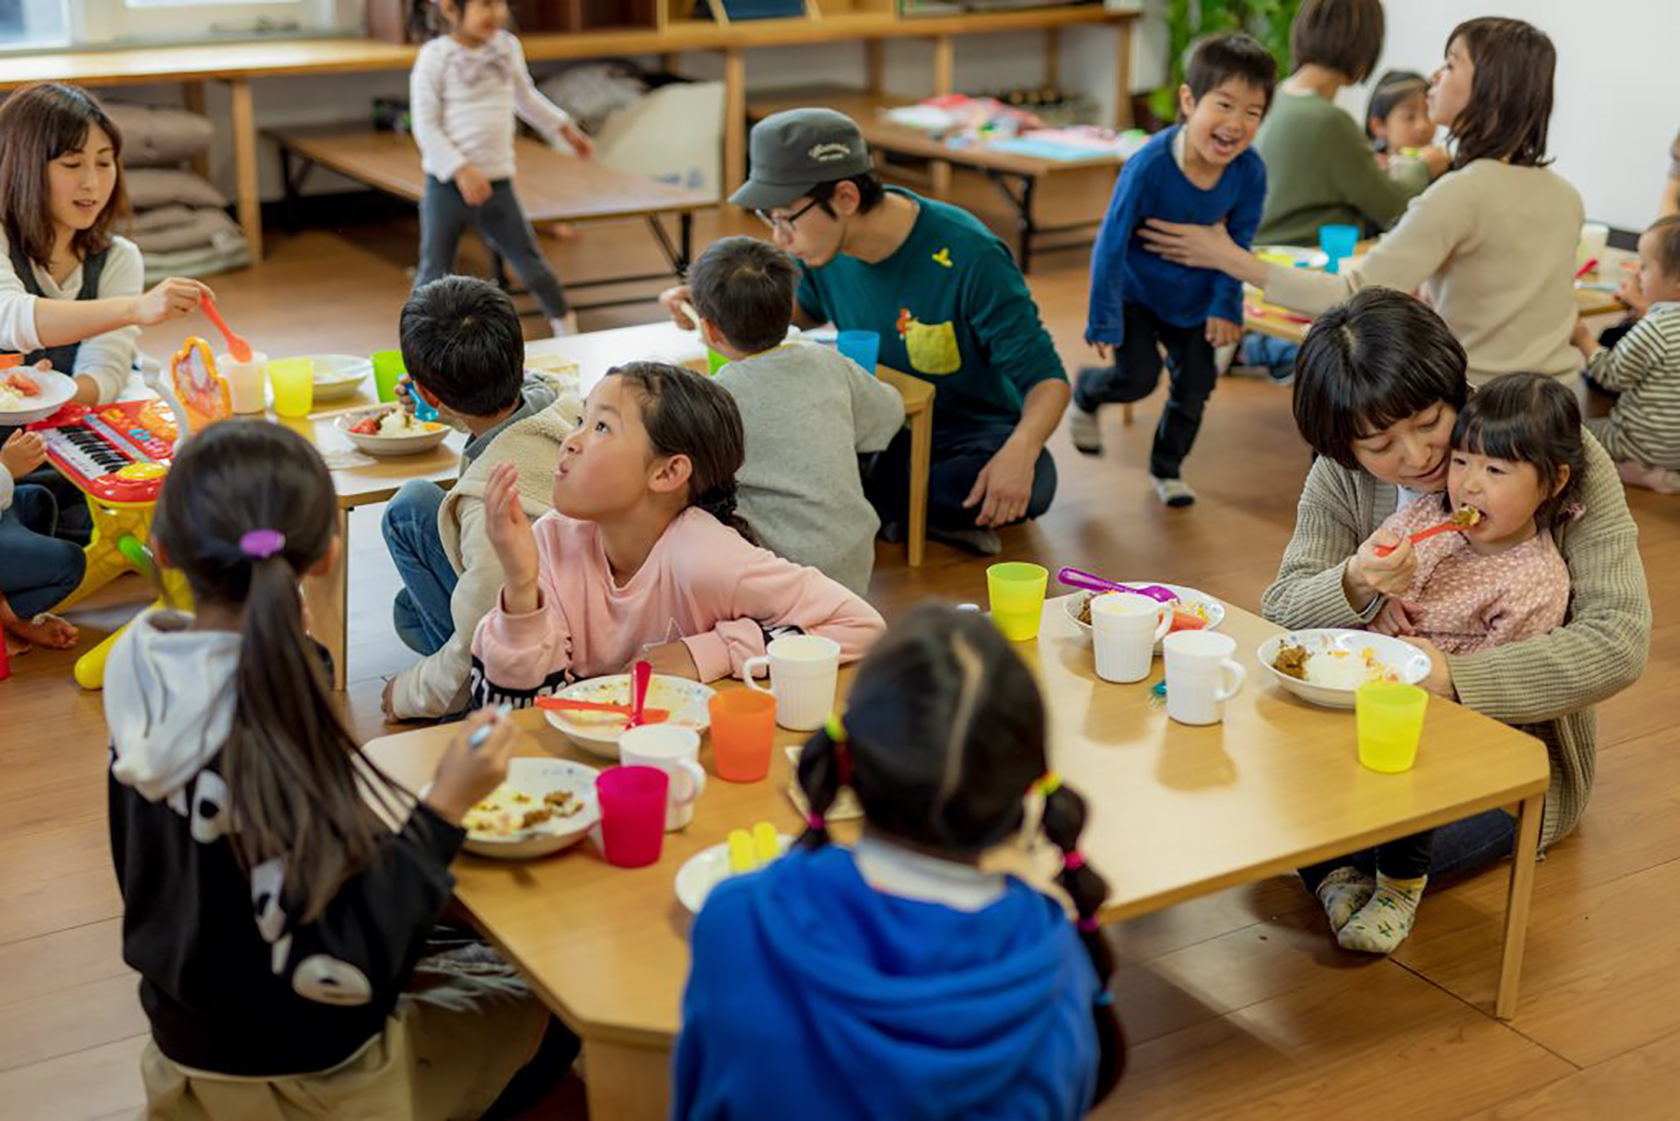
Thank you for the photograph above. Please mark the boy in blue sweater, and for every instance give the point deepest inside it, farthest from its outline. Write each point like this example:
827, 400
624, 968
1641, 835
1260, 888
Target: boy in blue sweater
1199, 171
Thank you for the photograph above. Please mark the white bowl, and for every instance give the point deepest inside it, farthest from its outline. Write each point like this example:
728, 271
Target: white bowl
1214, 609
535, 778
339, 375
707, 869
1406, 662
56, 391
597, 733
391, 445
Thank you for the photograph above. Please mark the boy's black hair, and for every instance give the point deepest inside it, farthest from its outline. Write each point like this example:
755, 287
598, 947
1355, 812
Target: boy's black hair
461, 342
1343, 35
943, 737
1667, 229
1230, 54
1375, 359
745, 288
1533, 419
869, 188
1394, 87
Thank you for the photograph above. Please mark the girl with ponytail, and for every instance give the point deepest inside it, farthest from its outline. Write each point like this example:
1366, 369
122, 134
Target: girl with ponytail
281, 895
644, 554
898, 978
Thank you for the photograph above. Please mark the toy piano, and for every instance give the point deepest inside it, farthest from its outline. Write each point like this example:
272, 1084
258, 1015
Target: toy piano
116, 453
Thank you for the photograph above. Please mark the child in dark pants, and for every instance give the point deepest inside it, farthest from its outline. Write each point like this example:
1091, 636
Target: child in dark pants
1200, 171
37, 570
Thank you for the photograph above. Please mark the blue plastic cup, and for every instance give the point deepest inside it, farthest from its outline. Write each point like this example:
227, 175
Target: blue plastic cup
1338, 243
862, 347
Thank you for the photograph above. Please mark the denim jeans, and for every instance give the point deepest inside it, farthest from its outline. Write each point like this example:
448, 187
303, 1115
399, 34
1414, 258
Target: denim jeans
959, 454
445, 216
1137, 371
37, 570
410, 525
1463, 846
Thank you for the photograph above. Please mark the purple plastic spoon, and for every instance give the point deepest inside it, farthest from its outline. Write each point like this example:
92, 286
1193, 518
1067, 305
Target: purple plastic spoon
1075, 578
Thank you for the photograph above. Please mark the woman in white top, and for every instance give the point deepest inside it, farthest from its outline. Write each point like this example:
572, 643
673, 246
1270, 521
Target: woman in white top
1491, 243
70, 290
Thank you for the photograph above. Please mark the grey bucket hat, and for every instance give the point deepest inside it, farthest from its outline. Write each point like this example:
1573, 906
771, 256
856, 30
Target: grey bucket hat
791, 152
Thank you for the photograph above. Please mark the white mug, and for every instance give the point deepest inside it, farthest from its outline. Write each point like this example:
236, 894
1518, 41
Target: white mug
247, 381
1201, 675
804, 671
1124, 631
674, 750
1595, 238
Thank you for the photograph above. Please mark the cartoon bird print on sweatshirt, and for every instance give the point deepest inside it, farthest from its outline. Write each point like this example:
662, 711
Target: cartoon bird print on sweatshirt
932, 346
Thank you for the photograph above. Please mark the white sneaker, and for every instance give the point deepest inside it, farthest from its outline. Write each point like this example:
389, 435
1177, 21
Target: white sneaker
1173, 492
1082, 426
565, 326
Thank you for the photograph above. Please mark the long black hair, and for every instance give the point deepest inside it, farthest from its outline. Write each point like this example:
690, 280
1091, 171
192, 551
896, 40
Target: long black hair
944, 734
1533, 419
1510, 106
689, 414
246, 510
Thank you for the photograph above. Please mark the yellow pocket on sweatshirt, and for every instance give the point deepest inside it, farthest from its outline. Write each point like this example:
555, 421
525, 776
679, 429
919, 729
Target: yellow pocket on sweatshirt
933, 348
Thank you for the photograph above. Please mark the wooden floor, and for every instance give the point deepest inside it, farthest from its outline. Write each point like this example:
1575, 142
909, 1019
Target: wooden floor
1237, 1006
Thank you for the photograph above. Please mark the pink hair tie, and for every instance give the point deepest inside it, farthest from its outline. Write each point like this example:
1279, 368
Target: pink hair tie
260, 544
815, 821
1087, 926
1073, 861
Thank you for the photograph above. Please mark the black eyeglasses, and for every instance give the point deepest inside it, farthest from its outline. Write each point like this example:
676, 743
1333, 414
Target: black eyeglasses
779, 224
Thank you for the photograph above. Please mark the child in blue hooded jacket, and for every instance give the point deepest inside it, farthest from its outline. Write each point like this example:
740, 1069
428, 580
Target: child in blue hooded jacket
896, 978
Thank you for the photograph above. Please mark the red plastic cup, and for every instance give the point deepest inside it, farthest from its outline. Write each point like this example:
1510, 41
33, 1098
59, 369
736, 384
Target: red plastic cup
743, 732
632, 814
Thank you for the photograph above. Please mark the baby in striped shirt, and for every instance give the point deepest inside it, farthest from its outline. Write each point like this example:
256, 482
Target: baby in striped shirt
1642, 371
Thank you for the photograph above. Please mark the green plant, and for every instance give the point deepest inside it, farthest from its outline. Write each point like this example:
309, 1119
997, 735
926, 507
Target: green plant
1189, 20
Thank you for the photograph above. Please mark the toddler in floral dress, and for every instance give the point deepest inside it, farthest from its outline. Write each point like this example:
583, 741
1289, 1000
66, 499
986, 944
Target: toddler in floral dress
1516, 460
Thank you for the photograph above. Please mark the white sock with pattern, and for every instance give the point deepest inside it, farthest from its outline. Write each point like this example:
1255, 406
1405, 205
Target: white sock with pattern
1343, 892
1383, 923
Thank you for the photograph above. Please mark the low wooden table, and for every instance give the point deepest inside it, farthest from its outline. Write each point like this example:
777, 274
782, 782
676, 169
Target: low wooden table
552, 187
598, 351
1176, 812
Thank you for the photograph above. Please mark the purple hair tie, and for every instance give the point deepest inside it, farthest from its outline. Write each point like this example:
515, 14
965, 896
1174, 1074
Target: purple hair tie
260, 544
1088, 926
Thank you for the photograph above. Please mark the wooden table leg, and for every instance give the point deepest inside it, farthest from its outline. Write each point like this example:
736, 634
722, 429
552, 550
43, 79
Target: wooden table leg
875, 66
734, 120
326, 600
1123, 77
626, 1082
1052, 57
921, 465
245, 166
944, 65
1516, 905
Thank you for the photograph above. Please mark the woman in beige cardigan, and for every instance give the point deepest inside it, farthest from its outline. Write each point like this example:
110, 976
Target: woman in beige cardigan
1378, 385
1491, 243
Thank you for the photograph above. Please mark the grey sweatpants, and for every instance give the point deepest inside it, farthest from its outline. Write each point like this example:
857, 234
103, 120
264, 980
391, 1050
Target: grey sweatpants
445, 216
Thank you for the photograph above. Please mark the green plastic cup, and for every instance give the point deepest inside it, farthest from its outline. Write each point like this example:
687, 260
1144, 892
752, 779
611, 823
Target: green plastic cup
1016, 590
714, 361
1390, 721
293, 380
388, 369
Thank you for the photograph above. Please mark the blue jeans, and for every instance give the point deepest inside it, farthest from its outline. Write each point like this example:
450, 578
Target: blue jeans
959, 454
1277, 355
445, 216
1464, 846
410, 525
37, 570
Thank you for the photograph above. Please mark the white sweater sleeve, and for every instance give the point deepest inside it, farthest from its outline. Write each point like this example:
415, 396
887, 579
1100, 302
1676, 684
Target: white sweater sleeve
528, 101
109, 358
17, 306
442, 159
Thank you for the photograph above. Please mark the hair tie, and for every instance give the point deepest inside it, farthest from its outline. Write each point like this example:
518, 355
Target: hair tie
815, 821
260, 544
835, 726
1048, 784
1073, 860
1103, 999
1087, 926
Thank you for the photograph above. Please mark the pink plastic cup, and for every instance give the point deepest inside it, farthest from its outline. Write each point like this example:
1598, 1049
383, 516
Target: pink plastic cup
632, 814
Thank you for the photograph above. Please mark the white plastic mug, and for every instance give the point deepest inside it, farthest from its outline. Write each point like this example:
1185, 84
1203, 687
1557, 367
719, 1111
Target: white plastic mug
1595, 238
247, 381
676, 751
1201, 675
804, 671
1124, 631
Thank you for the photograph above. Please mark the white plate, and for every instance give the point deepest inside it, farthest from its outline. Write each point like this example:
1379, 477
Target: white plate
536, 778
707, 869
1215, 610
598, 733
338, 375
1407, 662
391, 445
56, 391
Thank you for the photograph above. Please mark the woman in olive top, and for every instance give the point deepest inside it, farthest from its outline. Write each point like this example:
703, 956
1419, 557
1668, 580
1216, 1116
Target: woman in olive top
1319, 166
1491, 243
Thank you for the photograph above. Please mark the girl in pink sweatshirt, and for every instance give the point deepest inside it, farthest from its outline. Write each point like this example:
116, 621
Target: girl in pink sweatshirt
643, 555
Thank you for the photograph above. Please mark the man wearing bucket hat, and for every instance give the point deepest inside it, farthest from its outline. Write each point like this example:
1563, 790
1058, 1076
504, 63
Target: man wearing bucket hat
949, 304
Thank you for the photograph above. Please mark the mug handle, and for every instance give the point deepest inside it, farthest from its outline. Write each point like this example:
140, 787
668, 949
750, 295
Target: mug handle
1166, 623
696, 781
751, 679
1236, 675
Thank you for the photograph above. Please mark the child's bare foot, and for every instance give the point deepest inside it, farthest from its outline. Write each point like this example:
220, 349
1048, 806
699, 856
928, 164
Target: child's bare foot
560, 231
46, 630
15, 646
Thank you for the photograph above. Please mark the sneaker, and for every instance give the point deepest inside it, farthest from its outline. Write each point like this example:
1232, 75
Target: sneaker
986, 542
1082, 426
891, 532
1173, 492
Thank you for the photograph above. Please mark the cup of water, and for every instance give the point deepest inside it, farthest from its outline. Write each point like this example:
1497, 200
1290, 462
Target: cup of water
1338, 243
862, 347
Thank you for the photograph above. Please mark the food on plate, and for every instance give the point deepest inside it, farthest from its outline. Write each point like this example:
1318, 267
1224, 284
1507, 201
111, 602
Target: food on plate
15, 389
750, 851
1186, 616
395, 422
1335, 669
507, 812
660, 695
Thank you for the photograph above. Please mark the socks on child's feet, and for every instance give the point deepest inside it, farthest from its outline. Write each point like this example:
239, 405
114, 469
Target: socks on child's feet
1383, 923
1343, 892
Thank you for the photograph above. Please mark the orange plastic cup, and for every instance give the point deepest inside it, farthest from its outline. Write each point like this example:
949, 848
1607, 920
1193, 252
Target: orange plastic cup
743, 732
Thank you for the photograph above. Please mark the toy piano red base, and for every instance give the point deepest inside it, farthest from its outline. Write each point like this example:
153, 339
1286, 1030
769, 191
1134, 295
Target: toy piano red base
117, 452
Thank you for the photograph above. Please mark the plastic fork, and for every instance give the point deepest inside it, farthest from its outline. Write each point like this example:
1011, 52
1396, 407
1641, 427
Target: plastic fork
237, 346
1075, 578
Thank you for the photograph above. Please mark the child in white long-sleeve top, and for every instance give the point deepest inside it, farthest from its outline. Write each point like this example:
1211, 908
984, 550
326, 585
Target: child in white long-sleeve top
464, 91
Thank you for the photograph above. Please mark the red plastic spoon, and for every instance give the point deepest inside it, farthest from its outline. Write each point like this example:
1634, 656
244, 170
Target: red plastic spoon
642, 675
237, 346
1460, 521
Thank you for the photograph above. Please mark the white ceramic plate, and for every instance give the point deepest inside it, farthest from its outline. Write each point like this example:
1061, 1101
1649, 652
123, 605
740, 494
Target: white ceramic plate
534, 779
597, 733
56, 391
707, 869
1214, 609
1406, 662
391, 445
339, 375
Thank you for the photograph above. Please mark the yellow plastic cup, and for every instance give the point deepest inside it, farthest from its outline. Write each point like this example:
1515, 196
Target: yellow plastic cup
1390, 721
1016, 590
293, 380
